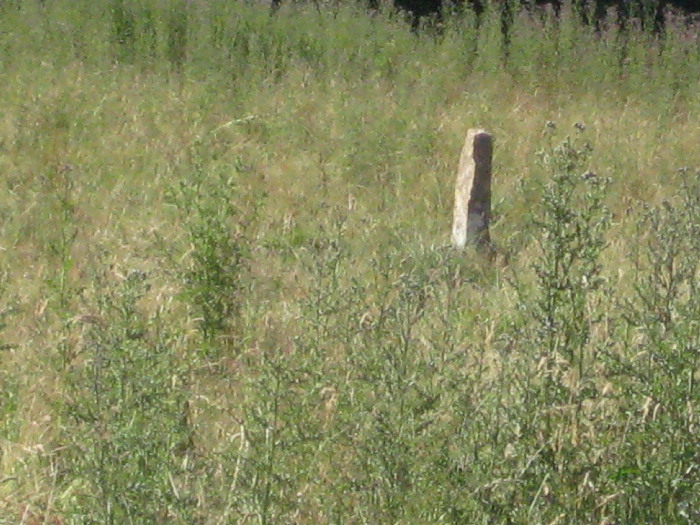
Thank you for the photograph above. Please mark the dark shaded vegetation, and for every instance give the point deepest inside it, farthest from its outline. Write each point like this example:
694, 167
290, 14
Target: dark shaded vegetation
649, 13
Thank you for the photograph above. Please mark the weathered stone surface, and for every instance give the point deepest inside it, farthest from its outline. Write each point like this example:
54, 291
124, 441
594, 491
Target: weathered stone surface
472, 208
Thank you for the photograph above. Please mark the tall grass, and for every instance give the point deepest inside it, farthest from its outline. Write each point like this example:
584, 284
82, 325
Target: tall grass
226, 290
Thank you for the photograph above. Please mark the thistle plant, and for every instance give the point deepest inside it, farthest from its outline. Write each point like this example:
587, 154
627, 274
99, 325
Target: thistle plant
658, 371
125, 415
571, 227
553, 373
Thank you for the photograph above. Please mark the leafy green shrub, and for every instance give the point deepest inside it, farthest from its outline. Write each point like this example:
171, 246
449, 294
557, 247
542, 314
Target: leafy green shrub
217, 258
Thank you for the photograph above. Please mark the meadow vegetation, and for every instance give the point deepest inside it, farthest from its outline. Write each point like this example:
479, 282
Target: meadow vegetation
227, 293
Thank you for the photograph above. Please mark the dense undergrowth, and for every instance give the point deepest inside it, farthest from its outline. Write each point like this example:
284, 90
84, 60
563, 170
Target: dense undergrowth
226, 290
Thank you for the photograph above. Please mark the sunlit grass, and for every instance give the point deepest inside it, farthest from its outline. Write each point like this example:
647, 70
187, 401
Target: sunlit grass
362, 372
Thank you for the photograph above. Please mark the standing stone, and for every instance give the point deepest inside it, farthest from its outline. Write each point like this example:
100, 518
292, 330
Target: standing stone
472, 210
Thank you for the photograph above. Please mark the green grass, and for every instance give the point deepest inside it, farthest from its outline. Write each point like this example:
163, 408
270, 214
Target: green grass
227, 294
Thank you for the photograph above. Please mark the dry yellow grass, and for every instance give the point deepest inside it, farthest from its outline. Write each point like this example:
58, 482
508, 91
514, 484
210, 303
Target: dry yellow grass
91, 149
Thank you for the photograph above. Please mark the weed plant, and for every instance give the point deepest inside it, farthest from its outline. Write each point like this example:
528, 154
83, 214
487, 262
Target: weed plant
555, 342
298, 345
658, 370
216, 258
9, 385
126, 415
572, 226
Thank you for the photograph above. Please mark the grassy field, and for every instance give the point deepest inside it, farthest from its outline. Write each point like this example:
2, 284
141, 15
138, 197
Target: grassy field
227, 293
